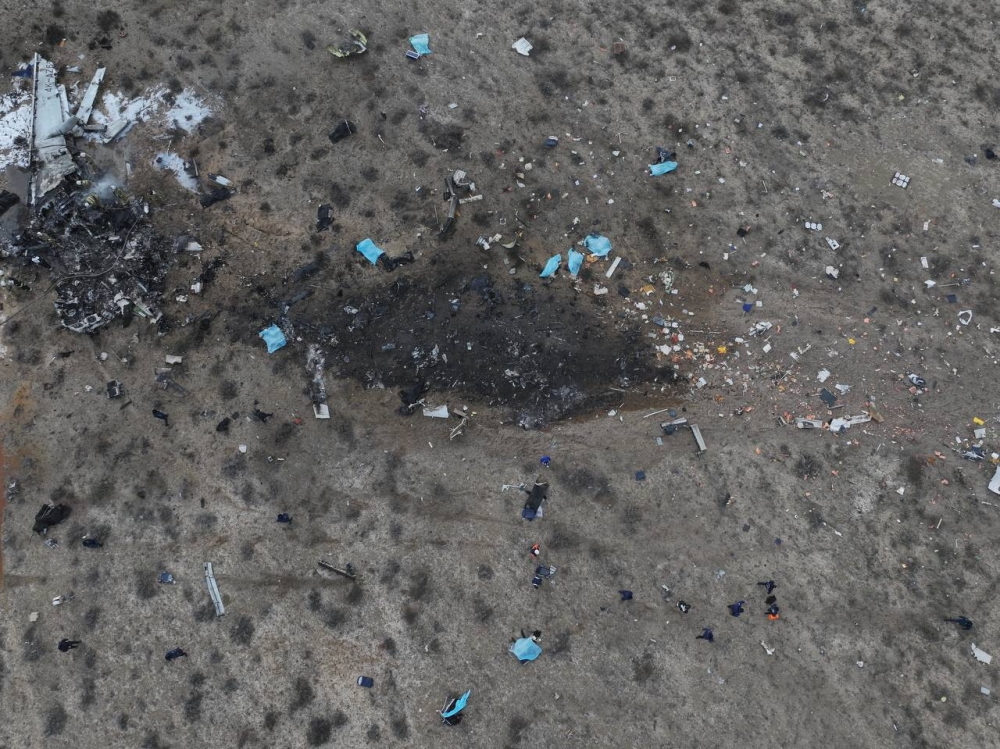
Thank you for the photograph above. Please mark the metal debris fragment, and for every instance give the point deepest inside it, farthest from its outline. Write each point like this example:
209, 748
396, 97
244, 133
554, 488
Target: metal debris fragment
981, 655
52, 161
213, 590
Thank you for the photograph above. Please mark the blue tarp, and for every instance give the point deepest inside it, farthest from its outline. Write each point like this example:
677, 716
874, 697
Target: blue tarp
370, 250
597, 244
551, 266
421, 44
575, 262
662, 168
526, 649
459, 705
273, 337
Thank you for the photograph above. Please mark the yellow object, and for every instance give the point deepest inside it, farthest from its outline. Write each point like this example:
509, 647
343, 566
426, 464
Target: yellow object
851, 341
977, 421
722, 349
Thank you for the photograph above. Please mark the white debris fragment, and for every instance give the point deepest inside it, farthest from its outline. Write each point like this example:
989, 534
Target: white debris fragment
843, 423
321, 411
995, 482
614, 267
832, 272
767, 649
115, 129
438, 412
172, 359
834, 244
844, 389
813, 226
984, 690
981, 655
87, 105
522, 46
924, 264
900, 180
965, 316
823, 375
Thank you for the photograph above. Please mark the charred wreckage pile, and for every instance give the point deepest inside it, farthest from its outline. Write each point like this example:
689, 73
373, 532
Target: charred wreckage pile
95, 239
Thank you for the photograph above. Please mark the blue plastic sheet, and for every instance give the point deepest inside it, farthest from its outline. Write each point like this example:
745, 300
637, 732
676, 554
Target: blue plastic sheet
273, 337
459, 705
662, 168
526, 649
370, 250
421, 44
597, 245
551, 266
575, 262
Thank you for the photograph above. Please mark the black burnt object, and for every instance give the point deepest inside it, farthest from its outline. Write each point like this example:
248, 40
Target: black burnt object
344, 129
48, 516
217, 195
324, 217
103, 254
412, 395
7, 201
391, 263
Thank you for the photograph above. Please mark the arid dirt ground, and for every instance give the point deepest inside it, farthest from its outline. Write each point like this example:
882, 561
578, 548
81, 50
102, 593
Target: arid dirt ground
780, 113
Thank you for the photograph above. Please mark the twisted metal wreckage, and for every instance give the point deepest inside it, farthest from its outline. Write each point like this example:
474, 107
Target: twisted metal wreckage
94, 237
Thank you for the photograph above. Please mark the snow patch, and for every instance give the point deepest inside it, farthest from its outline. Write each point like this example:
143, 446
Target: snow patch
15, 122
171, 162
186, 110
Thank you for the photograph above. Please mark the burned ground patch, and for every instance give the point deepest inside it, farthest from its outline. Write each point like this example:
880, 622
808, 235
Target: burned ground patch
508, 342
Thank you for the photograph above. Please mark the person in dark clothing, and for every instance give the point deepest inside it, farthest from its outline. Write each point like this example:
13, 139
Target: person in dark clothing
66, 645
706, 634
173, 655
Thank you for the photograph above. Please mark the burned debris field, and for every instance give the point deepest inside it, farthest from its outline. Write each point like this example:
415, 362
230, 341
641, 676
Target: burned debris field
429, 375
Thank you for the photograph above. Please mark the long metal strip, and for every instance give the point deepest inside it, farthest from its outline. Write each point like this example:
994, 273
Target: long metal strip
213, 590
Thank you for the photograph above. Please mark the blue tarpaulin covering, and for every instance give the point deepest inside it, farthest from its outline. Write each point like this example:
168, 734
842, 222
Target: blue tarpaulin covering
597, 245
662, 168
370, 250
526, 649
459, 705
273, 337
421, 44
575, 262
551, 266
